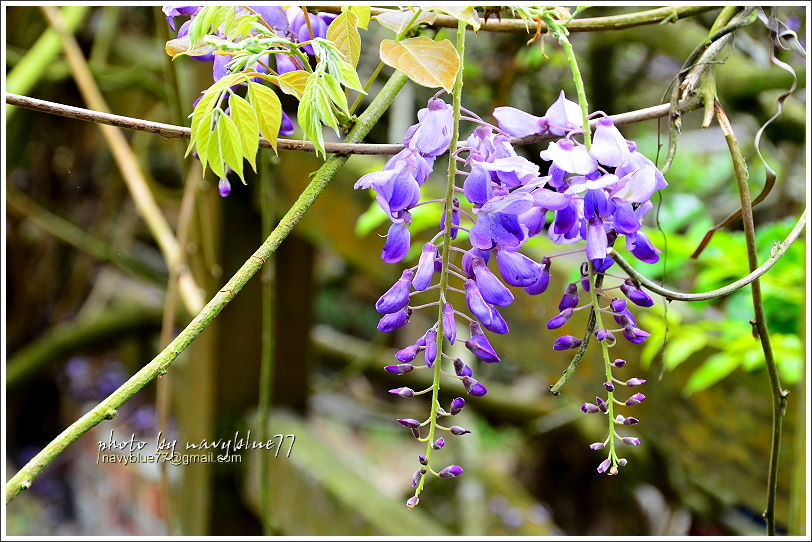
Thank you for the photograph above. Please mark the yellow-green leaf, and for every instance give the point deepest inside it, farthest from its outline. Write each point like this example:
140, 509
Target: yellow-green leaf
362, 12
213, 153
203, 107
294, 82
230, 146
343, 32
180, 46
427, 62
245, 118
202, 139
398, 21
467, 14
266, 104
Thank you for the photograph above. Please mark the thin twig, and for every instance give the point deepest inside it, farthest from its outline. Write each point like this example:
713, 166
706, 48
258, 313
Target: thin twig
778, 251
779, 395
106, 409
171, 131
126, 160
593, 24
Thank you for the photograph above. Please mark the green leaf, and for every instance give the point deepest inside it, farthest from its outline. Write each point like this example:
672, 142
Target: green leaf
294, 82
213, 153
466, 14
245, 119
266, 105
343, 32
347, 75
202, 140
333, 90
180, 46
207, 17
230, 145
713, 370
362, 12
427, 62
311, 127
682, 346
226, 82
203, 108
398, 21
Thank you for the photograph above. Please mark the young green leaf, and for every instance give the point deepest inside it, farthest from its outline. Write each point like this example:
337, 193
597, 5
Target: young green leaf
362, 12
180, 46
462, 13
213, 153
265, 104
398, 21
343, 31
203, 108
202, 139
348, 77
333, 90
427, 62
311, 127
245, 118
207, 17
230, 145
294, 82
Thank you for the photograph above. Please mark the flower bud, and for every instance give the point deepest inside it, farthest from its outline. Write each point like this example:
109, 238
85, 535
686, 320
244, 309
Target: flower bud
635, 295
540, 286
400, 369
619, 363
630, 421
473, 387
425, 267
608, 386
457, 430
635, 399
411, 502
224, 187
402, 392
566, 342
497, 323
570, 298
417, 476
407, 354
422, 460
603, 405
439, 443
476, 303
449, 324
480, 345
430, 353
456, 406
396, 320
597, 445
557, 321
632, 382
604, 466
461, 368
618, 304
589, 408
622, 461
631, 441
450, 471
411, 423
493, 291
397, 296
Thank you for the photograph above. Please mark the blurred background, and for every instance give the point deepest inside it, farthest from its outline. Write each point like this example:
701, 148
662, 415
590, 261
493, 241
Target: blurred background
86, 283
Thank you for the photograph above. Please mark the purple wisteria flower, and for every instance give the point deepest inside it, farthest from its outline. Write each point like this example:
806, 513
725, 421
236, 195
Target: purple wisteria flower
588, 195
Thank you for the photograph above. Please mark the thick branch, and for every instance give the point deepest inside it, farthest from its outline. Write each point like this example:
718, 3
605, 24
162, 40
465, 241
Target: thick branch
107, 408
778, 251
170, 131
591, 24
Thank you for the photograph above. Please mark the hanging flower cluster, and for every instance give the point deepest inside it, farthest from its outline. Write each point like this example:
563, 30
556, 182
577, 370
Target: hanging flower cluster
594, 195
